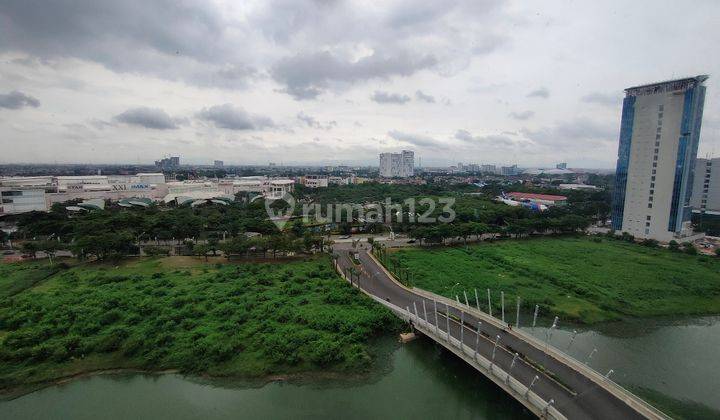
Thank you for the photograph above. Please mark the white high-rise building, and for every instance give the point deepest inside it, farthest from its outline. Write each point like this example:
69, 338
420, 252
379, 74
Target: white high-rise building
397, 165
659, 137
706, 186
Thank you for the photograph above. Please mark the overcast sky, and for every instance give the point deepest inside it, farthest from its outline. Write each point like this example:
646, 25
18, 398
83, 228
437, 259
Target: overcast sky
337, 82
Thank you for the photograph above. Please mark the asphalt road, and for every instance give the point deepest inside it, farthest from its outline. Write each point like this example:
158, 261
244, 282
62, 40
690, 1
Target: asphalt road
578, 397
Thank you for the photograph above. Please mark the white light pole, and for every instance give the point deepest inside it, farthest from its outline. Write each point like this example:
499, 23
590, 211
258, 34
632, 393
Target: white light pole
591, 355
548, 335
462, 330
489, 303
502, 305
547, 406
437, 327
466, 299
457, 299
610, 372
447, 321
537, 307
477, 301
512, 364
572, 339
416, 312
517, 314
477, 340
492, 361
425, 313
527, 391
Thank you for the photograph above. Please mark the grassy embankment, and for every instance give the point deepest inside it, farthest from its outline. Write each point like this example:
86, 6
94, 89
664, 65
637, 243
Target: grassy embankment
248, 320
575, 278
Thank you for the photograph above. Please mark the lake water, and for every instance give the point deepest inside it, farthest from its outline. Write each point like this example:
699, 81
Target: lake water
672, 358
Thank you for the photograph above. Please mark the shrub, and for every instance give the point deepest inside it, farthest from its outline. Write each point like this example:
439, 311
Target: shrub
689, 248
652, 243
673, 245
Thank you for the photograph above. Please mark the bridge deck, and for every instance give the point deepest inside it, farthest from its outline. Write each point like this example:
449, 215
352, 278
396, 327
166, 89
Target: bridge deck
577, 391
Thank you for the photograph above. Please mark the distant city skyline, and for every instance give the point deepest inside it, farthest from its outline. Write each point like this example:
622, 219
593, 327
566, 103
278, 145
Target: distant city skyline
328, 83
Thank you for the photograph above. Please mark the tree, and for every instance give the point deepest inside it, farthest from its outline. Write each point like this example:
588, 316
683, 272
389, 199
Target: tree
213, 244
673, 245
3, 237
30, 249
50, 248
717, 252
201, 250
237, 245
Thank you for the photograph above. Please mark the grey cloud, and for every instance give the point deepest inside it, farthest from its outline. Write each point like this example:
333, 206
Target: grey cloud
525, 115
190, 44
389, 98
601, 99
310, 121
154, 118
233, 118
414, 139
305, 76
420, 95
17, 100
542, 92
578, 134
486, 141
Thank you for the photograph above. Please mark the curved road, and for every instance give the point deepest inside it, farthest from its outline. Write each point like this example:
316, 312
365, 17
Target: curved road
576, 396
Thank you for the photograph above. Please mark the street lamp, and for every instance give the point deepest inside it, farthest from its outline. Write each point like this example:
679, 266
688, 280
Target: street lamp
492, 361
512, 364
590, 357
527, 391
547, 406
572, 339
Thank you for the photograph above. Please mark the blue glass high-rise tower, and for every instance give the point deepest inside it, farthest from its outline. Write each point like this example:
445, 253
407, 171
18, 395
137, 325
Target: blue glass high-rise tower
659, 137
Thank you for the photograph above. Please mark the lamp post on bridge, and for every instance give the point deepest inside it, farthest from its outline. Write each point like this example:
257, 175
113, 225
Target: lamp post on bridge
547, 406
512, 364
572, 339
590, 356
492, 361
517, 314
477, 301
527, 391
447, 321
462, 331
477, 341
437, 327
537, 307
466, 299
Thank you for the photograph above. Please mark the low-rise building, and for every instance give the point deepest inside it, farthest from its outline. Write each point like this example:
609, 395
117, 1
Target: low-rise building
546, 199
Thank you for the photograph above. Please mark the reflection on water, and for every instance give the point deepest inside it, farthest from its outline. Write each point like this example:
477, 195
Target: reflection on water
675, 357
673, 362
425, 382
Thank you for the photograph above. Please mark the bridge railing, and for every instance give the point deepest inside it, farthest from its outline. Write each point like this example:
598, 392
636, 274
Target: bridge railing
521, 392
611, 386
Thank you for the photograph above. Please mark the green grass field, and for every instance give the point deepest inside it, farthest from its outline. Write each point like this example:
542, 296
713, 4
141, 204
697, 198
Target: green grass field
248, 320
574, 278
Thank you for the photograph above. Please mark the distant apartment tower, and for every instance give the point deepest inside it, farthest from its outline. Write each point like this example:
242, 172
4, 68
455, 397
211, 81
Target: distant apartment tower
659, 137
491, 169
706, 186
218, 164
561, 165
168, 163
509, 170
397, 165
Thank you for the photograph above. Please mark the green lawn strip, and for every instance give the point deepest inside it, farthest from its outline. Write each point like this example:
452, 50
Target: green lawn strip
575, 277
218, 319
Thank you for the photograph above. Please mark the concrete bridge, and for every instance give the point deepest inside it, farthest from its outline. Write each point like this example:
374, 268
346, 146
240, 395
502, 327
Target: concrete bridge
546, 381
